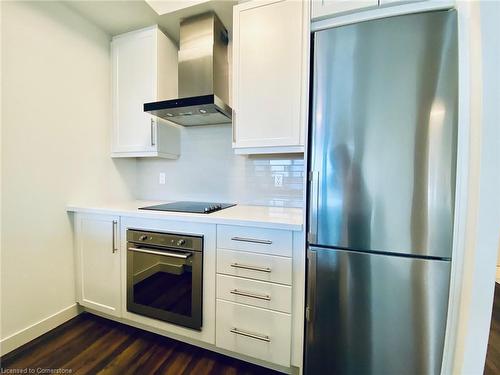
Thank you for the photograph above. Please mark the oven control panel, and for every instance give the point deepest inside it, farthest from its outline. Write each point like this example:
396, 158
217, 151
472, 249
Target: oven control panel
163, 239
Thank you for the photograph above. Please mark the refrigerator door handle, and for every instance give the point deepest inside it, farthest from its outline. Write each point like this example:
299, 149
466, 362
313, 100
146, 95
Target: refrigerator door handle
314, 201
311, 290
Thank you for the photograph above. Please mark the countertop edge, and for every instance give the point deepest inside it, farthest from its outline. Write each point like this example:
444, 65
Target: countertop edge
184, 217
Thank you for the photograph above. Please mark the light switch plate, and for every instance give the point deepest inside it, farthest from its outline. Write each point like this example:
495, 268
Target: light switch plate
162, 178
278, 180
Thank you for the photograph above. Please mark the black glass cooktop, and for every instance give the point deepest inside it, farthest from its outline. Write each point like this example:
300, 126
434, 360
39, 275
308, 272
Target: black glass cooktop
192, 207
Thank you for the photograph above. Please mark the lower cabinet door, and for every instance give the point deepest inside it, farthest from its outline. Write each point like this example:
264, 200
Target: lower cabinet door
254, 332
98, 263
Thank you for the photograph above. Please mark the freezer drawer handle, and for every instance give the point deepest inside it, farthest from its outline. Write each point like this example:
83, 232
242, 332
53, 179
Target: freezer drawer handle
254, 240
164, 253
311, 288
251, 335
253, 268
264, 297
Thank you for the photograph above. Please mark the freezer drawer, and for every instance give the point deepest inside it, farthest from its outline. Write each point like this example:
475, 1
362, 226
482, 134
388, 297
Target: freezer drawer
375, 314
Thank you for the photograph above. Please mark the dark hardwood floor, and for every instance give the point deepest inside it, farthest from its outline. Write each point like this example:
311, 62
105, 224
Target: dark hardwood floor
492, 366
89, 344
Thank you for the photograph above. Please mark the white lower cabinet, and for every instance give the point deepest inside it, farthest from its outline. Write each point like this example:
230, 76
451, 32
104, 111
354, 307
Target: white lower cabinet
254, 332
98, 263
254, 292
248, 308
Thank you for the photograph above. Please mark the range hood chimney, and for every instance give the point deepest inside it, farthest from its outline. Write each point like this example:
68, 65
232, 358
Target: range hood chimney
203, 75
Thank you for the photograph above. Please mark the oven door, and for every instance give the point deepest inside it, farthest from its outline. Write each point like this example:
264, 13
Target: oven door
165, 284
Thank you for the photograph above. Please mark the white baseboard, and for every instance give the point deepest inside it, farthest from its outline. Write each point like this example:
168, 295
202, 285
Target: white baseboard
33, 331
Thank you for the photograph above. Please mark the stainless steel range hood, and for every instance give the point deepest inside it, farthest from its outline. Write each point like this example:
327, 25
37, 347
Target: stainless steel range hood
203, 75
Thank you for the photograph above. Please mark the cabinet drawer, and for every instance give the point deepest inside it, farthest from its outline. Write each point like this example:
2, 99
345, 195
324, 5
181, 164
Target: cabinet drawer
256, 293
254, 332
255, 266
257, 240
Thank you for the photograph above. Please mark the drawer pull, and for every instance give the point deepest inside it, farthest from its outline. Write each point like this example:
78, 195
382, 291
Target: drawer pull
265, 297
251, 335
254, 240
253, 268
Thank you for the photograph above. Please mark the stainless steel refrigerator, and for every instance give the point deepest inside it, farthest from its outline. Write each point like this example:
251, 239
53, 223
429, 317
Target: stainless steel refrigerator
381, 195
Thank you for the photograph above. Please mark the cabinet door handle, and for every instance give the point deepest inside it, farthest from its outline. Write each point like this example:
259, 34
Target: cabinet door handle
264, 297
254, 240
252, 268
256, 336
115, 225
234, 126
153, 140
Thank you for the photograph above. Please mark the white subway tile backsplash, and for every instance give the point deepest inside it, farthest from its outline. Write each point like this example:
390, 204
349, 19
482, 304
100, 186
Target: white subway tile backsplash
208, 169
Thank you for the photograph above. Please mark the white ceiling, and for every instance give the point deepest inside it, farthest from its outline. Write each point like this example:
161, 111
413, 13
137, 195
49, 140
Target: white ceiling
120, 16
168, 6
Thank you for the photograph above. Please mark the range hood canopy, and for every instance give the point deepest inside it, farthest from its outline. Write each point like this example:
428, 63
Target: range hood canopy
202, 75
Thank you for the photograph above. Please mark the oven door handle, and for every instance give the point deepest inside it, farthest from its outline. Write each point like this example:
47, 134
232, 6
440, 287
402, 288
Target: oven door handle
164, 253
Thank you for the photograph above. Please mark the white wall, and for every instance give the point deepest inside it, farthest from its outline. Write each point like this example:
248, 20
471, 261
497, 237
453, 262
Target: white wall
55, 149
209, 170
479, 222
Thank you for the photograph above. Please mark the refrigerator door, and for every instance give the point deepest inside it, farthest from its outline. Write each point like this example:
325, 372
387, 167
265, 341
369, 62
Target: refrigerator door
383, 141
375, 314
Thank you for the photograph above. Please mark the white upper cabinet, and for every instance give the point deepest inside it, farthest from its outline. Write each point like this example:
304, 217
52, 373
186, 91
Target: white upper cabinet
144, 64
397, 2
322, 8
98, 263
269, 80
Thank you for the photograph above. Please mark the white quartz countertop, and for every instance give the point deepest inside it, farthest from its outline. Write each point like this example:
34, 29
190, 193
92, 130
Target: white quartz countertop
257, 216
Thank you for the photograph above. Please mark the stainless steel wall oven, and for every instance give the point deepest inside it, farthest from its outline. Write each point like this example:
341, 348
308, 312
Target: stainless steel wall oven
165, 276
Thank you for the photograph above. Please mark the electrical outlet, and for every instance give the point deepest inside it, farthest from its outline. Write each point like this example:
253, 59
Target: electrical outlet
161, 178
278, 180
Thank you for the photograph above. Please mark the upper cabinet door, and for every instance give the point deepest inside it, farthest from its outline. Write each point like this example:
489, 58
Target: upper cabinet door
323, 8
134, 62
144, 70
268, 48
